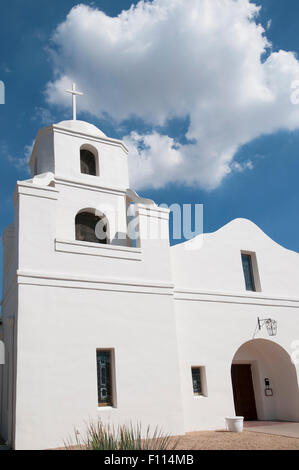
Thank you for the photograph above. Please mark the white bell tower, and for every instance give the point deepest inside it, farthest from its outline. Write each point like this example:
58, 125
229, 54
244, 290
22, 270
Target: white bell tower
90, 171
60, 150
69, 294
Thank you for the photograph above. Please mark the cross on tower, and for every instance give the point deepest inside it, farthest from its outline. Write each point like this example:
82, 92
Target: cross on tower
74, 94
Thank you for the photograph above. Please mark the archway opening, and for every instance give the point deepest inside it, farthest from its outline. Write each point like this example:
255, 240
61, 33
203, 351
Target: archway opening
88, 161
264, 382
91, 227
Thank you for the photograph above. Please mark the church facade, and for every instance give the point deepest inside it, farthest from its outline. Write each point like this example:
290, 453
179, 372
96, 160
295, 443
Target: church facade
99, 326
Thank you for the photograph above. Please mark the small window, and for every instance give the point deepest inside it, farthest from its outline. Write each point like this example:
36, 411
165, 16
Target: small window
88, 163
248, 272
91, 228
199, 381
104, 373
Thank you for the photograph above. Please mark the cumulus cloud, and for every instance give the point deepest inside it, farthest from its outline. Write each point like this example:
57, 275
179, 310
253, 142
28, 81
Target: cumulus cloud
20, 163
43, 116
208, 60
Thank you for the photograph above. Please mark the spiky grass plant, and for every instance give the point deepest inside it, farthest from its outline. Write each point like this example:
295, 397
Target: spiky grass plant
105, 437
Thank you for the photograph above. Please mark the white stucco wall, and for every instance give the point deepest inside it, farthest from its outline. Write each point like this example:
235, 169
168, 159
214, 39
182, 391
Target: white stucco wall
57, 381
57, 150
269, 360
209, 335
216, 315
162, 310
75, 297
216, 265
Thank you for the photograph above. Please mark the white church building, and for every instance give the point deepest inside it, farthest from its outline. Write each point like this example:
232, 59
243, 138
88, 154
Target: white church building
97, 326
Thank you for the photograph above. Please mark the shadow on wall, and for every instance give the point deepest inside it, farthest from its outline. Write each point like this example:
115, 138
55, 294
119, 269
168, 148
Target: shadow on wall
269, 360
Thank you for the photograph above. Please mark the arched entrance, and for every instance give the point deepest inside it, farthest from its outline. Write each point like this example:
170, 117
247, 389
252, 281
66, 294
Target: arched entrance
264, 382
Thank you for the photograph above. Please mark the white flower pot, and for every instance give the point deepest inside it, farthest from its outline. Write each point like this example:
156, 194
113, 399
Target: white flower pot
235, 424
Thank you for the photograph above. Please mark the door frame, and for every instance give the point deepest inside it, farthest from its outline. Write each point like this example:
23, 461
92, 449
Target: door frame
256, 383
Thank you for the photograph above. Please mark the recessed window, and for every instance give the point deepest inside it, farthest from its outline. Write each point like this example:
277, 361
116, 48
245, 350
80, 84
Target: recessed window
105, 377
199, 381
91, 228
88, 163
247, 263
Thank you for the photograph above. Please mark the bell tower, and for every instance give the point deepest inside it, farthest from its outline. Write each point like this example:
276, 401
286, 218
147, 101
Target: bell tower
90, 171
88, 167
76, 288
58, 149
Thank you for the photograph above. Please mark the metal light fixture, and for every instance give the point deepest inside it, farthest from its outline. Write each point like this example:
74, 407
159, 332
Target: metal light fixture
271, 325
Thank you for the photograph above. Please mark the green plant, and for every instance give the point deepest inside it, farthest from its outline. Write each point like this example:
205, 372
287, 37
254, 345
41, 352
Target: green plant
105, 437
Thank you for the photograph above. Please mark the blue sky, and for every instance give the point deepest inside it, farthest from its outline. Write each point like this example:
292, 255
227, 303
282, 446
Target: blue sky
267, 194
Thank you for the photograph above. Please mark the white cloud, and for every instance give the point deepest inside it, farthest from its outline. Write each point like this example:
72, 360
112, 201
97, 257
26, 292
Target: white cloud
43, 116
21, 163
241, 167
175, 58
154, 159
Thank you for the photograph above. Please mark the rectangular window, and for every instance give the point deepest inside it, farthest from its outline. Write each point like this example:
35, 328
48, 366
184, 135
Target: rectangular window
104, 371
248, 272
197, 381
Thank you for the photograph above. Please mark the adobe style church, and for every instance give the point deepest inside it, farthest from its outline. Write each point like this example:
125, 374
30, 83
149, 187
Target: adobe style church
96, 326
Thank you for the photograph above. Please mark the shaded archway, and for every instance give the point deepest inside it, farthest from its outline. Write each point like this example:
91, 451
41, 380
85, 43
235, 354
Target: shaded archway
261, 365
91, 227
89, 160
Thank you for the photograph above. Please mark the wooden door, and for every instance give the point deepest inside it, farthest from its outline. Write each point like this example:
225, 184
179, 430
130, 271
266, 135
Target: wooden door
244, 392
